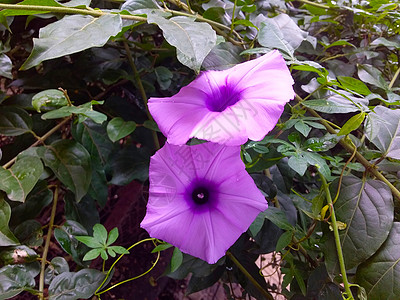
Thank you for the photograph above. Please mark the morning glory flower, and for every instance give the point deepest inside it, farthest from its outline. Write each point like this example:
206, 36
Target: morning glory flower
201, 199
227, 107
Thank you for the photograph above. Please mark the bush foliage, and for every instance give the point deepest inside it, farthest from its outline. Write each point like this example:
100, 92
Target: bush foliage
75, 79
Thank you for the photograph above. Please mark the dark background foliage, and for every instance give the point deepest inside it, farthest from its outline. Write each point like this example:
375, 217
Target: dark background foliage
76, 139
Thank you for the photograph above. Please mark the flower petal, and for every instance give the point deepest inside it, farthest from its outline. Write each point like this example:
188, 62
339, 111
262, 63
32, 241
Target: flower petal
207, 230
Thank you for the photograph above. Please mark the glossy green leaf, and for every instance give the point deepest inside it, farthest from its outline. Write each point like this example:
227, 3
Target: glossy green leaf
72, 34
117, 128
79, 285
27, 170
5, 66
84, 212
11, 185
14, 279
193, 40
380, 274
70, 162
14, 121
330, 107
176, 259
20, 254
200, 283
284, 240
366, 207
384, 42
58, 265
372, 75
352, 124
383, 130
49, 98
7, 238
278, 217
30, 233
164, 77
354, 85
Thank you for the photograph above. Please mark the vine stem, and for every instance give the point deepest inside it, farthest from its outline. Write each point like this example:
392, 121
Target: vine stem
248, 275
394, 78
350, 148
47, 244
337, 238
40, 139
315, 4
141, 89
68, 10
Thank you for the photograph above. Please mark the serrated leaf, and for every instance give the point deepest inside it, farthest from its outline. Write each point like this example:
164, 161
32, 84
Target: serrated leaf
117, 128
72, 34
11, 185
49, 98
380, 274
193, 40
352, 124
14, 121
70, 162
366, 207
7, 238
383, 130
79, 285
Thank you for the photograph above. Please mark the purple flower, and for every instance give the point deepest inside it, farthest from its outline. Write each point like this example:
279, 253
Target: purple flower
229, 106
201, 198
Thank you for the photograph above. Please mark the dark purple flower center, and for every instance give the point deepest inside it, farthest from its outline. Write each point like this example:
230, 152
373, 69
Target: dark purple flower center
222, 98
200, 195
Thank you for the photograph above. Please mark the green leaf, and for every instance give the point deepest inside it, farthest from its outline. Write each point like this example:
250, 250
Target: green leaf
11, 185
380, 274
383, 130
5, 66
302, 127
149, 124
298, 164
164, 77
130, 163
23, 12
112, 236
119, 249
100, 234
339, 43
89, 241
278, 217
85, 211
14, 121
20, 254
176, 259
70, 162
117, 128
366, 207
214, 13
49, 98
193, 40
79, 285
57, 266
92, 254
384, 42
200, 283
7, 238
284, 240
352, 124
83, 111
372, 75
14, 279
30, 233
161, 247
27, 170
330, 107
354, 85
72, 34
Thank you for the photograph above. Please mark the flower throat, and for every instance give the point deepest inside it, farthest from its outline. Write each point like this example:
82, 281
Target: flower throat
200, 195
